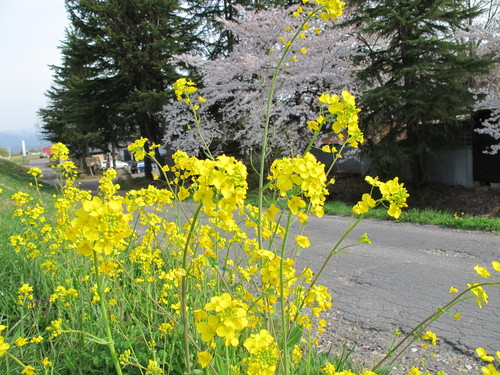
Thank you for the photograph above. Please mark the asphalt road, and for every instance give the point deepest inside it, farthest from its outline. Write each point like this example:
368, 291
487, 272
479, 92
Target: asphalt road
405, 273
403, 276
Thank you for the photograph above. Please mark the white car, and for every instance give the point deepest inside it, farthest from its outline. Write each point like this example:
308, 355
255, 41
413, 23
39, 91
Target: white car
118, 163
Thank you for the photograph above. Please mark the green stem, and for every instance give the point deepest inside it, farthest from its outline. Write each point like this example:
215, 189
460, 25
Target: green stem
105, 319
198, 128
15, 359
93, 338
162, 309
183, 293
425, 323
265, 136
284, 328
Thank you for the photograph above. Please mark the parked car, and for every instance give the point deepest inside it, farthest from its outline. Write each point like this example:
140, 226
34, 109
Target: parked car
138, 167
118, 163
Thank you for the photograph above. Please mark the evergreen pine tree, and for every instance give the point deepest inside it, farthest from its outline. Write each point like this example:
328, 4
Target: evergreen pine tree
415, 82
119, 54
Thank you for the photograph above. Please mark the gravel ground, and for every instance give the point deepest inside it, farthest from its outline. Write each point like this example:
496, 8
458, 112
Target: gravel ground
371, 347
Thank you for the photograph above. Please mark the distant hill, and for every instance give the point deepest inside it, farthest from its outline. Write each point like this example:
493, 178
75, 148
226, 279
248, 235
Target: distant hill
13, 140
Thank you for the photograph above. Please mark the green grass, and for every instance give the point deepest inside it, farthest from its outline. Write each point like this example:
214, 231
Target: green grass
427, 216
18, 158
14, 177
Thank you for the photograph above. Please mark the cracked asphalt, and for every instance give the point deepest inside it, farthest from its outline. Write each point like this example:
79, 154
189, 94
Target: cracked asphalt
407, 271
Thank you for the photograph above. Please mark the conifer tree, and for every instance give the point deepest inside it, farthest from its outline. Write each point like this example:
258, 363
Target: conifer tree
117, 62
415, 83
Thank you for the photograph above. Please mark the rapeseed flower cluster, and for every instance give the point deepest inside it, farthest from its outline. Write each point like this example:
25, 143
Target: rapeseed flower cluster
264, 351
25, 296
393, 194
307, 176
35, 172
345, 114
100, 226
491, 368
4, 346
333, 9
223, 317
66, 168
184, 87
137, 148
327, 9
168, 283
205, 273
225, 177
60, 152
430, 337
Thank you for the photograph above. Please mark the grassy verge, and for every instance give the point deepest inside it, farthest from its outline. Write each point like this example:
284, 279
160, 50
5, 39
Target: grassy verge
427, 216
14, 177
431, 217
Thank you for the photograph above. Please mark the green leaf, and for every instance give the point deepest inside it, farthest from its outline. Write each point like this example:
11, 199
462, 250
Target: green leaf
295, 336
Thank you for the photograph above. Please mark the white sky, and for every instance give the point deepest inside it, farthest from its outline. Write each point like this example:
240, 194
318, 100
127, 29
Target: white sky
30, 33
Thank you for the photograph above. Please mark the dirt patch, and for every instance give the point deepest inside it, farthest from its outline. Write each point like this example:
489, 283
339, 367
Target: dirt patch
478, 201
370, 346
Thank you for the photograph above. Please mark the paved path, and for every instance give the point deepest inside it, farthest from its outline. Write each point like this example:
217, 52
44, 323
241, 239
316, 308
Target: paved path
49, 176
403, 276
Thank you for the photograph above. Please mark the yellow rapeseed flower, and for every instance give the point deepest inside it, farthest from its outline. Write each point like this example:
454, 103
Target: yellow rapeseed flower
490, 370
55, 328
430, 336
264, 353
480, 293
227, 317
3, 346
346, 116
483, 354
184, 88
36, 340
329, 369
302, 241
204, 358
21, 341
28, 370
414, 371
392, 192
59, 151
481, 271
35, 172
333, 9
46, 362
137, 148
496, 266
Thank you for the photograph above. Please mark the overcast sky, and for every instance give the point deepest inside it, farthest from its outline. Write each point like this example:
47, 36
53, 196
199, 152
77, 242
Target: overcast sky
30, 32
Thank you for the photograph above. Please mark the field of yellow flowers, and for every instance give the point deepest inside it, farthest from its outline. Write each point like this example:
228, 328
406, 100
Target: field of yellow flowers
189, 279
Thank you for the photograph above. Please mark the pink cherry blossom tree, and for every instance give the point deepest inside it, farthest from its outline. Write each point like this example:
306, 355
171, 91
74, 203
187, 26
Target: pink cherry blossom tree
236, 87
485, 33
